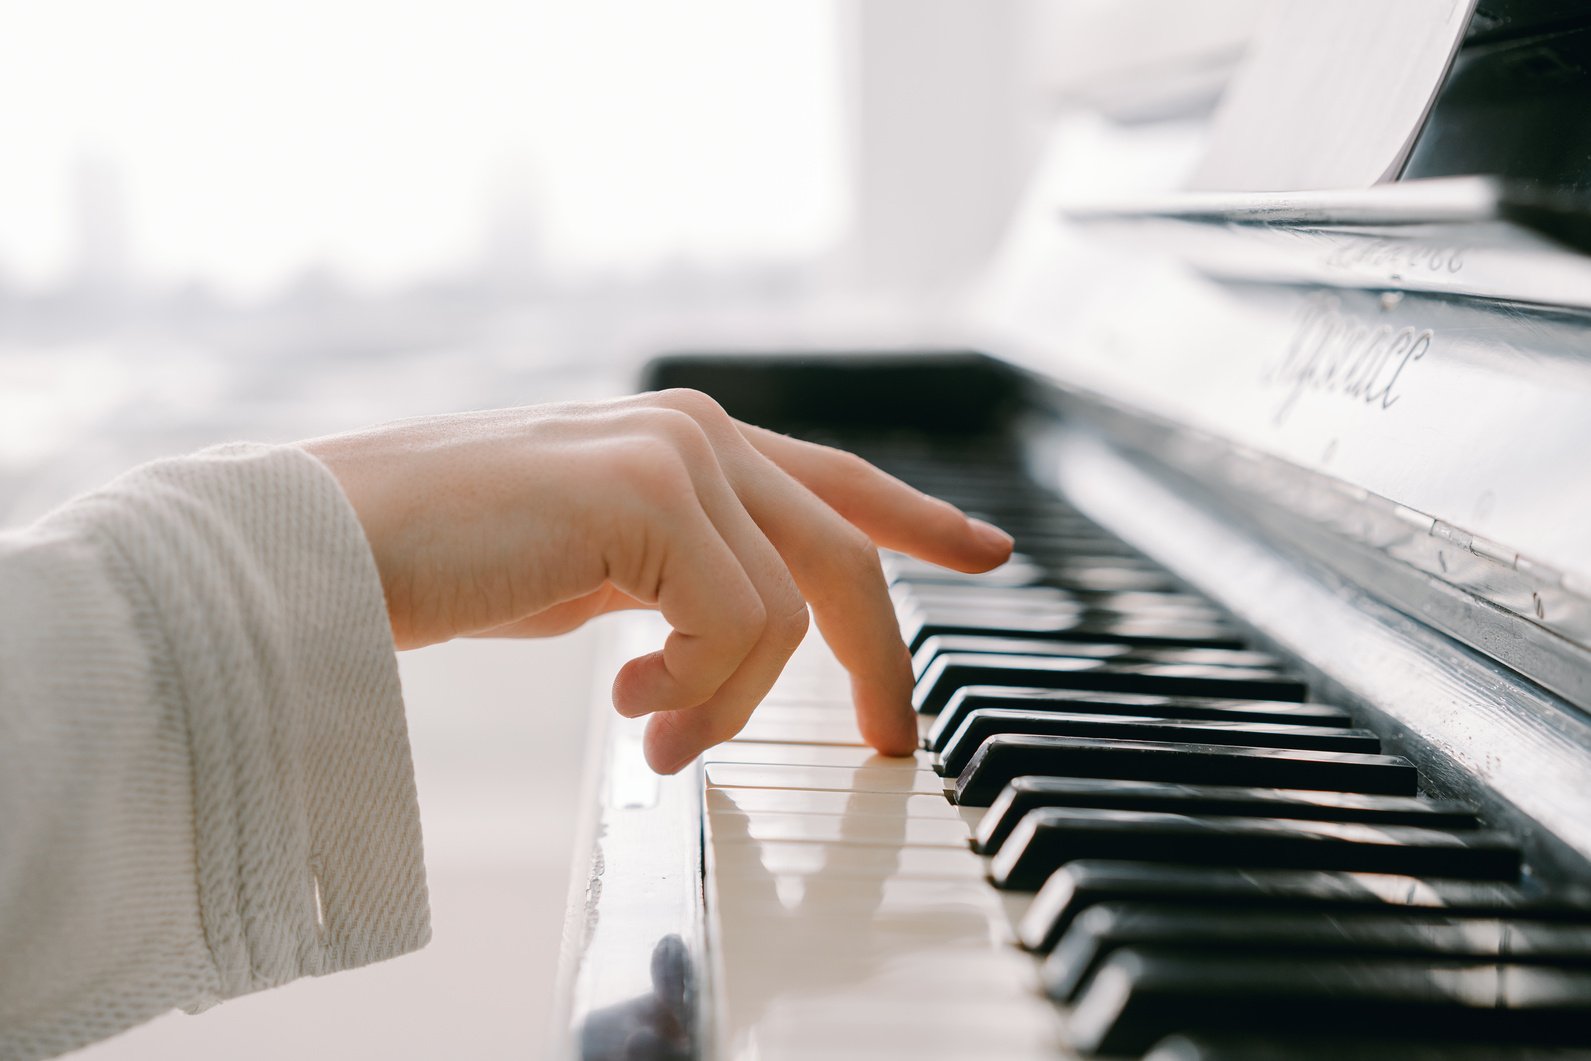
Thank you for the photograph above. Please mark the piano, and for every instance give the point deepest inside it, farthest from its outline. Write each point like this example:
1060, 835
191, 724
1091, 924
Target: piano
1273, 740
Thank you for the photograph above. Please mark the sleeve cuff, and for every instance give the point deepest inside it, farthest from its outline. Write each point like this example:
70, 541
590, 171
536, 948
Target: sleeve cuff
307, 828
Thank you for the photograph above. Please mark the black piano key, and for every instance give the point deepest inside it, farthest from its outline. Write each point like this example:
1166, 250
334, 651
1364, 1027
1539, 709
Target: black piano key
1042, 600
1084, 559
1068, 624
1235, 1046
1048, 539
1150, 604
1024, 523
976, 644
1109, 578
954, 671
983, 724
1002, 758
1202, 654
1101, 575
1018, 600
1048, 838
1111, 927
1029, 793
1048, 546
978, 697
983, 614
936, 646
1141, 995
1079, 551
1080, 885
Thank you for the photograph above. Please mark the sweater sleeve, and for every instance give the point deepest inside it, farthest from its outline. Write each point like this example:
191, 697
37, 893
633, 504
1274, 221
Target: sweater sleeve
205, 780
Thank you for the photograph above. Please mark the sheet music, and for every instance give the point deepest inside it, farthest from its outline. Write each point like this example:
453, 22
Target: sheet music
1331, 95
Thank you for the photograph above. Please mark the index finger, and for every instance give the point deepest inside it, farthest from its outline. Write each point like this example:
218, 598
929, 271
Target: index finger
838, 571
891, 513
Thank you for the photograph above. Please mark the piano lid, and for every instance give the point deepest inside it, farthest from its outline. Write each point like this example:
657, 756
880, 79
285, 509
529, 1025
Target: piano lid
1405, 367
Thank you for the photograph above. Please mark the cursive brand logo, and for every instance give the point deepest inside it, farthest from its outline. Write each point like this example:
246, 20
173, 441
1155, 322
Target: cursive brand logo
1397, 258
1335, 353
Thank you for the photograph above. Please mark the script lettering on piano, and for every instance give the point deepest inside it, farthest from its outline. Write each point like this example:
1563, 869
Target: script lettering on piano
1333, 353
1397, 258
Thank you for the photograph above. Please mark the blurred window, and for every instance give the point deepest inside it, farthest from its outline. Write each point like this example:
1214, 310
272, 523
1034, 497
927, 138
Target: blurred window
242, 144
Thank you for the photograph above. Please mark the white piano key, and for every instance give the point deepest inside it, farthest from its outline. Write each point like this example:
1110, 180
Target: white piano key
968, 929
959, 917
853, 862
838, 714
952, 1028
752, 889
821, 896
812, 672
972, 816
827, 708
808, 801
895, 970
810, 755
774, 728
727, 826
884, 996
955, 906
850, 916
871, 778
802, 957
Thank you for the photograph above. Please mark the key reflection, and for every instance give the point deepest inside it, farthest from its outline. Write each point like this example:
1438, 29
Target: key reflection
806, 921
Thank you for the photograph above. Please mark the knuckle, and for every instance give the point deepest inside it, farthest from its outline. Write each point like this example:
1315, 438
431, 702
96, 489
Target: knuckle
793, 623
850, 564
699, 406
744, 625
682, 431
856, 553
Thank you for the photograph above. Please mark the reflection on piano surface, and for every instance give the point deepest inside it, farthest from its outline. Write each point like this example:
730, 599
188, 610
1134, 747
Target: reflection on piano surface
1272, 741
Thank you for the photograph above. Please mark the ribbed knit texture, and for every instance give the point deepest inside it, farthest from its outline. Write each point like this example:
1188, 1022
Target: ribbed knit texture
201, 730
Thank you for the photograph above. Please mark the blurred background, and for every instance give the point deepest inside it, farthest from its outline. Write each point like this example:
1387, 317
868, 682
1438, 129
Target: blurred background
269, 220
274, 220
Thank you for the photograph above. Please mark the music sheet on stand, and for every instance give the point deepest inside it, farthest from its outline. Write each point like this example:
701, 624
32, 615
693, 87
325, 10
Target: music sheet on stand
1331, 95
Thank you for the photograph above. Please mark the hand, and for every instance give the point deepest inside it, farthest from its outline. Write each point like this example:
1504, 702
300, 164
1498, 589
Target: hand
528, 522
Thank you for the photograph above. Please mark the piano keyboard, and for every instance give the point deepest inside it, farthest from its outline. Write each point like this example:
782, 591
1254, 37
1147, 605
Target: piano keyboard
1129, 833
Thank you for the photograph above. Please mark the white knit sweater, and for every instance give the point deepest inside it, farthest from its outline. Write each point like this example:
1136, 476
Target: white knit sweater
205, 782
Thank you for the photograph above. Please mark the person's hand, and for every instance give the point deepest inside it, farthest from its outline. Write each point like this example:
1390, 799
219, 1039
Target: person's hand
527, 522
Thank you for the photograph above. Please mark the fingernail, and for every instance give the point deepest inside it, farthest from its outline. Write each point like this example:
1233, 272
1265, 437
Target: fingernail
990, 535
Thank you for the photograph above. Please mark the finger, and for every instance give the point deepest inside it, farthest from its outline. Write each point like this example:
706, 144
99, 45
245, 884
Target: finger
700, 587
893, 514
675, 738
837, 569
834, 564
